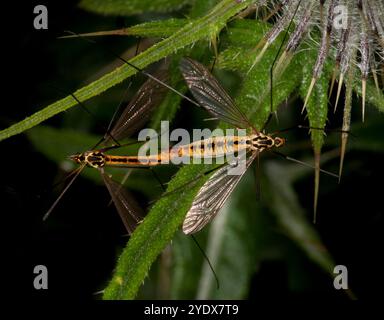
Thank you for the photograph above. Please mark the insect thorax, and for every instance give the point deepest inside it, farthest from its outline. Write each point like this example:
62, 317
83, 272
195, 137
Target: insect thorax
95, 159
261, 141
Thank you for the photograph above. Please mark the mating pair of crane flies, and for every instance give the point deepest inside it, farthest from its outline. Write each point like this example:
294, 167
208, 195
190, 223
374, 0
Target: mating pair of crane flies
216, 190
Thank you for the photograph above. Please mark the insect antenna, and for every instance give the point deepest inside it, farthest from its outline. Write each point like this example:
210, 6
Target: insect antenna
305, 164
76, 174
300, 126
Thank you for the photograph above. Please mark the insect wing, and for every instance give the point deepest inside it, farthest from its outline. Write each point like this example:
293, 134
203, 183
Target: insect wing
138, 111
129, 210
210, 95
212, 196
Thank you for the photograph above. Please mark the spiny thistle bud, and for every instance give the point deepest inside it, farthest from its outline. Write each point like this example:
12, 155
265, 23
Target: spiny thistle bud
351, 33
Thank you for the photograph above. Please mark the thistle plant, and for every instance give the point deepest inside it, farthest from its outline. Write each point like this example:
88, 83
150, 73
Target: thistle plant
350, 34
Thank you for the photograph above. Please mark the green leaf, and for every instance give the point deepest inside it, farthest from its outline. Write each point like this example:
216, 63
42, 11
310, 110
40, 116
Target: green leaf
152, 29
57, 145
201, 28
364, 137
200, 7
131, 7
187, 266
245, 34
373, 96
157, 29
285, 204
317, 106
254, 95
156, 231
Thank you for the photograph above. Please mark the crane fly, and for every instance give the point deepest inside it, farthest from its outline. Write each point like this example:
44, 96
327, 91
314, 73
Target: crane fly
216, 190
134, 116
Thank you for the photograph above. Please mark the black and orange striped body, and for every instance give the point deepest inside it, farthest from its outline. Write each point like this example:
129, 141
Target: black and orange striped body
214, 147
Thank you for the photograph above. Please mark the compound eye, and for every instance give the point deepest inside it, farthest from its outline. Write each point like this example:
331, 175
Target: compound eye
78, 157
281, 141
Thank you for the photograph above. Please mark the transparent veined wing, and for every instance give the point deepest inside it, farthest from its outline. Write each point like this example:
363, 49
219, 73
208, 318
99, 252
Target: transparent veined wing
129, 210
210, 95
212, 196
139, 110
